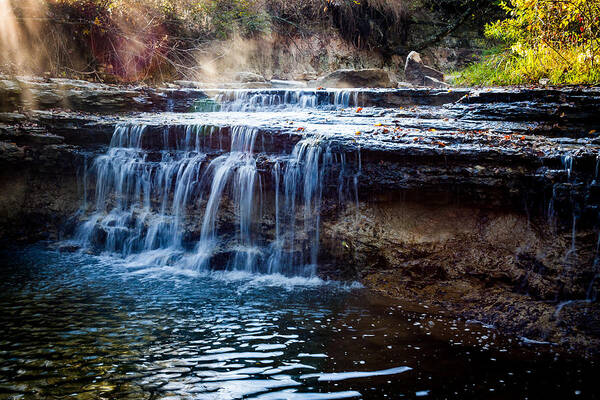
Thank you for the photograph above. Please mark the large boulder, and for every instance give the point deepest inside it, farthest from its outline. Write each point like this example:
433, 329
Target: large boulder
249, 77
354, 78
417, 73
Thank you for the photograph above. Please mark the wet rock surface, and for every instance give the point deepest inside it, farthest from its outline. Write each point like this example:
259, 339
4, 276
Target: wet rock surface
480, 202
36, 93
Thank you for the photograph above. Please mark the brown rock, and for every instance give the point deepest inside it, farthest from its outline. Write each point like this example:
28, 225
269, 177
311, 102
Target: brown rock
353, 78
432, 82
247, 77
417, 73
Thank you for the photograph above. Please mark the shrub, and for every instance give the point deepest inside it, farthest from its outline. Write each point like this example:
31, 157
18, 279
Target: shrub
555, 40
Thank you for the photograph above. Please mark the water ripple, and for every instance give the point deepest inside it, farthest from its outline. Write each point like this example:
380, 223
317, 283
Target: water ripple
77, 326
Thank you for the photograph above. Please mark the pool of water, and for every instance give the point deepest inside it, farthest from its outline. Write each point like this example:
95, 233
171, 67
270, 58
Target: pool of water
85, 327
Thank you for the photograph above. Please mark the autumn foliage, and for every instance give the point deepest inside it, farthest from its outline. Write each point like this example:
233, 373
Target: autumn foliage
554, 40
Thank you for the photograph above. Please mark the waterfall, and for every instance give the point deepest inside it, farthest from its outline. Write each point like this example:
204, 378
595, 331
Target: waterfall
129, 186
277, 99
195, 197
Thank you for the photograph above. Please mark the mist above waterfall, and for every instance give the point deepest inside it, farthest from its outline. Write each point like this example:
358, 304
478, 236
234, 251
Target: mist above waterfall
150, 40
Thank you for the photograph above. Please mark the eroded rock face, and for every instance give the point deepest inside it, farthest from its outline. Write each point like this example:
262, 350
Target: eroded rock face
34, 202
496, 266
351, 78
417, 73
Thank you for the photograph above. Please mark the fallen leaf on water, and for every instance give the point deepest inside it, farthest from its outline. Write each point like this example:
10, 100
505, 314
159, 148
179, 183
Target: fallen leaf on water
359, 109
357, 133
300, 129
592, 131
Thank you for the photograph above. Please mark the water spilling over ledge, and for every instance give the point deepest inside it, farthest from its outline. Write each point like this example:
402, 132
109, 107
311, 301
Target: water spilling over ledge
142, 199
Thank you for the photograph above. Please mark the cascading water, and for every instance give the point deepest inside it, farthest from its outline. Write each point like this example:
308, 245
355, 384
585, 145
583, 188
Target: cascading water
276, 99
135, 208
176, 198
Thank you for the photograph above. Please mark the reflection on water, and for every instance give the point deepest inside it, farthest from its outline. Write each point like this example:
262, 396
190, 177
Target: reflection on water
75, 326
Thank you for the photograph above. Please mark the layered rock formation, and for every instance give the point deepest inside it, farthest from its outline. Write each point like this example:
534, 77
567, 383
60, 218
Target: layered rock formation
483, 203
